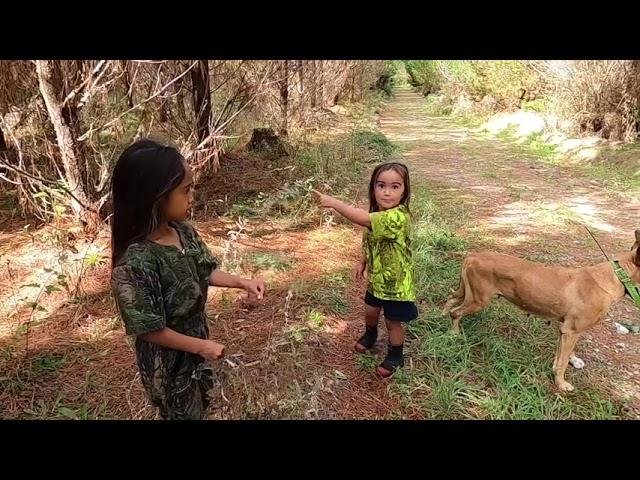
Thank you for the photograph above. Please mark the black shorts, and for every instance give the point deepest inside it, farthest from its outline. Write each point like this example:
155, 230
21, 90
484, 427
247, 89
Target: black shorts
394, 310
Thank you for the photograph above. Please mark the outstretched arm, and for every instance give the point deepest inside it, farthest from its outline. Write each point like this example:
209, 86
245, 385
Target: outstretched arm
356, 215
254, 286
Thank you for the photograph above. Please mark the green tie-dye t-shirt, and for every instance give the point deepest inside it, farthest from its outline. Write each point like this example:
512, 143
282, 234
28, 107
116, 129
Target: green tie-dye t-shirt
387, 249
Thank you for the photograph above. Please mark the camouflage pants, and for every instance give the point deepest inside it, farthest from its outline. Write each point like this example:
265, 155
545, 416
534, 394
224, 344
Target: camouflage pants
176, 382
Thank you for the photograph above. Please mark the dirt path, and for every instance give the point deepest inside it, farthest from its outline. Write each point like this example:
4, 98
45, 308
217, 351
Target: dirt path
516, 204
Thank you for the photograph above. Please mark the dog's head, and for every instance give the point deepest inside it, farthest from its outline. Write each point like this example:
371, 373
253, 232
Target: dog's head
635, 258
634, 248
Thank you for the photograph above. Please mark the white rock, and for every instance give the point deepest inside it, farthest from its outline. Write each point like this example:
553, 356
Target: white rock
339, 109
576, 362
621, 329
526, 123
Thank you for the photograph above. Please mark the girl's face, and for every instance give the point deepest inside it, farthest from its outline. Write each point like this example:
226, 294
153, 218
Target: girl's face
388, 189
179, 201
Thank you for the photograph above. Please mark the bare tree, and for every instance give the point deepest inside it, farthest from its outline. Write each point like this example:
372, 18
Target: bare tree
200, 83
284, 97
314, 84
66, 142
128, 85
65, 121
3, 142
321, 85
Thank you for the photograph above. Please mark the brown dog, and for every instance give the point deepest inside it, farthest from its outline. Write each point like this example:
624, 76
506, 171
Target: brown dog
577, 297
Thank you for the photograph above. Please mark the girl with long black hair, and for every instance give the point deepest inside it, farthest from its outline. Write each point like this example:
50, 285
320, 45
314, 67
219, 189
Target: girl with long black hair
160, 277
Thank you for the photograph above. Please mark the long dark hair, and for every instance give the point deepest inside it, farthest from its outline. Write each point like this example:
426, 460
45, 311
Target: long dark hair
144, 174
402, 170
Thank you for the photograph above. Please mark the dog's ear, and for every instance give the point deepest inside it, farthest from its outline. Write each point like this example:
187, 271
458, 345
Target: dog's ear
636, 244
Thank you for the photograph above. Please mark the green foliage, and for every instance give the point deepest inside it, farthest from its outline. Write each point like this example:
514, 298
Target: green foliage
502, 80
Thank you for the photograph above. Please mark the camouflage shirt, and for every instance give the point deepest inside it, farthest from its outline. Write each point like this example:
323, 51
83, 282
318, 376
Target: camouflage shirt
387, 249
157, 286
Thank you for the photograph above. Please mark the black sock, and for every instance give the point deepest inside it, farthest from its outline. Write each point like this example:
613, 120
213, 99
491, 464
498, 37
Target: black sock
394, 359
369, 338
395, 351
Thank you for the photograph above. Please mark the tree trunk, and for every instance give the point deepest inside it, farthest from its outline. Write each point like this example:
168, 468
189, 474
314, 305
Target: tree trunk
3, 143
66, 141
64, 84
301, 76
163, 114
353, 83
62, 89
284, 97
314, 84
321, 86
201, 98
124, 65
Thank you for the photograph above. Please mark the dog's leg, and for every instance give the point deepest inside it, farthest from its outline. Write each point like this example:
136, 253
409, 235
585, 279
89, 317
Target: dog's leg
464, 309
555, 360
451, 303
455, 299
455, 321
468, 300
568, 340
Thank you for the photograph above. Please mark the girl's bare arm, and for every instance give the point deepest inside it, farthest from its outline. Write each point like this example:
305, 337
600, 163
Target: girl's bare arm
356, 215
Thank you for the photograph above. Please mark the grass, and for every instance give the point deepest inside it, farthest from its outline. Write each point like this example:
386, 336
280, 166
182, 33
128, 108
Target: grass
541, 150
49, 364
604, 168
500, 366
311, 321
374, 147
614, 176
59, 410
470, 121
437, 106
367, 362
337, 279
548, 215
335, 165
331, 298
326, 294
276, 261
42, 371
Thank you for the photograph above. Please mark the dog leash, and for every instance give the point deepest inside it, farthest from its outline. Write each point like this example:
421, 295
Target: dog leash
630, 287
594, 239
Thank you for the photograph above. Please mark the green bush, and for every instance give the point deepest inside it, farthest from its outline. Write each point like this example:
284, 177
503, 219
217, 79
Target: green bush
425, 75
371, 146
503, 80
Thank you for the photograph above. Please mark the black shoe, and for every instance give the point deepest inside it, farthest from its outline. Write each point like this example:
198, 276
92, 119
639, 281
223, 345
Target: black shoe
367, 340
393, 361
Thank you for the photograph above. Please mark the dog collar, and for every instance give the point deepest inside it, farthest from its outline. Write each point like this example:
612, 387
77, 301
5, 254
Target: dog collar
629, 286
